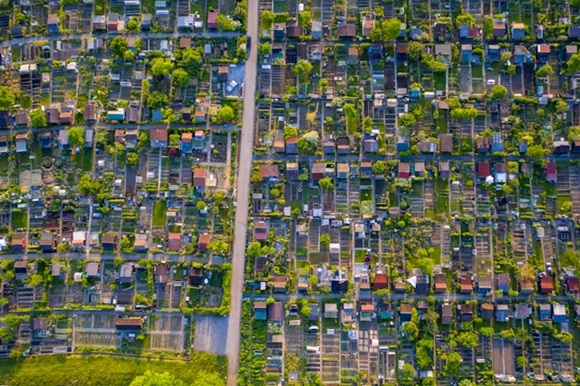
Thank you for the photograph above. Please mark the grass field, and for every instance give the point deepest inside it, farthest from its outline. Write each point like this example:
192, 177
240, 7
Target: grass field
442, 194
4, 166
159, 213
19, 219
101, 370
84, 159
477, 71
443, 121
440, 80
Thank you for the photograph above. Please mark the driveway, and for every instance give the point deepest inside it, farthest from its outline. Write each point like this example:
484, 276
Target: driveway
243, 188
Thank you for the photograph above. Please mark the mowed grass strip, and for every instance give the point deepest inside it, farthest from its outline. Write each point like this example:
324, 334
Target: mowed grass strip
96, 370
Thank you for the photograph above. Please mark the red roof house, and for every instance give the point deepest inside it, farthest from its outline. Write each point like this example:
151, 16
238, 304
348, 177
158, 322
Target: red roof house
380, 281
261, 231
483, 169
546, 285
174, 242
212, 19
203, 242
551, 172
572, 285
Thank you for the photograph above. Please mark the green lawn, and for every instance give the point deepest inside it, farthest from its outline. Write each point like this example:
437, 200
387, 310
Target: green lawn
212, 4
442, 186
477, 71
366, 195
359, 255
160, 213
84, 159
19, 219
280, 6
443, 121
296, 204
101, 370
417, 188
4, 166
439, 78
149, 5
562, 199
318, 257
101, 7
436, 255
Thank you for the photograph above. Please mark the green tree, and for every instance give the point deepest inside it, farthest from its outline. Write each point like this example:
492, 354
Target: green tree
453, 364
308, 142
264, 48
200, 205
535, 151
226, 114
407, 121
560, 105
133, 25
424, 353
254, 250
266, 19
302, 69
425, 264
38, 118
411, 330
508, 334
305, 146
573, 64
505, 56
464, 113
379, 167
522, 361
161, 67
180, 78
7, 98
407, 372
156, 379
468, 339
174, 141
545, 71
225, 23
465, 19
429, 381
128, 55
305, 309
118, 46
256, 177
326, 183
325, 239
205, 378
433, 64
499, 92
88, 187
157, 100
305, 18
415, 51
391, 29
566, 207
218, 247
7, 335
191, 59
76, 137
290, 132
